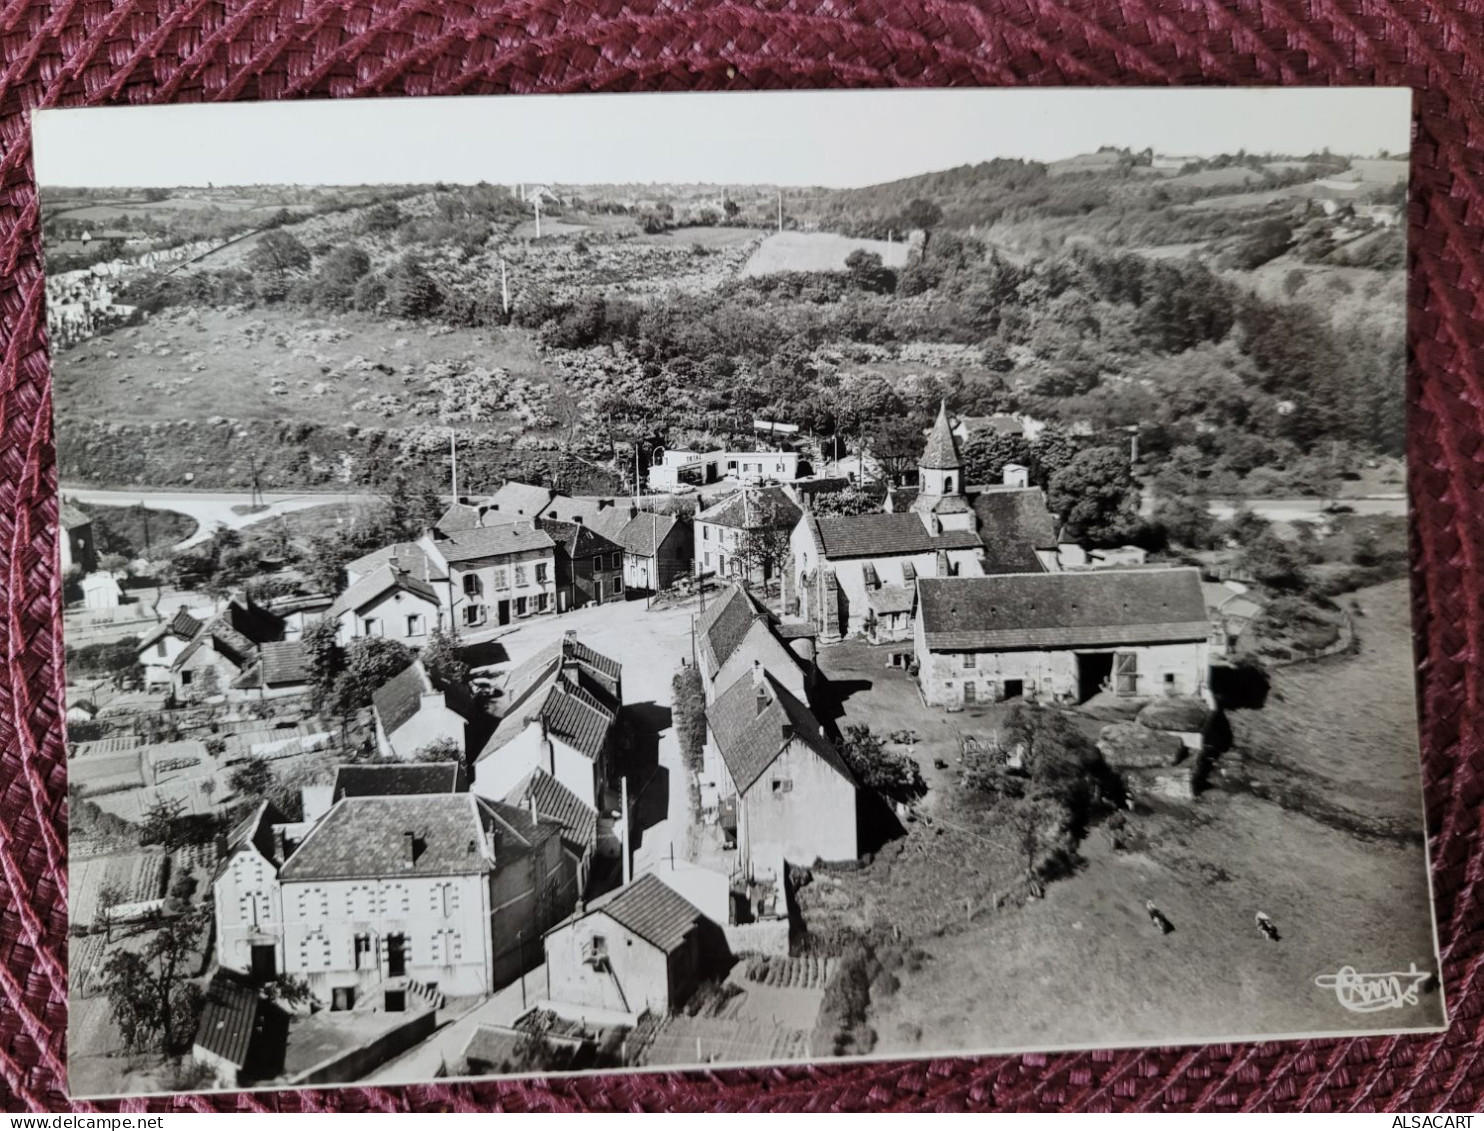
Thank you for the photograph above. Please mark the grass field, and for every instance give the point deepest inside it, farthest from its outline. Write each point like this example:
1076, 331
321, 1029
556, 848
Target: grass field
707, 237
817, 251
272, 364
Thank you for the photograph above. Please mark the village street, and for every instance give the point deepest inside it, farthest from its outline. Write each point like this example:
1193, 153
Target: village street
649, 644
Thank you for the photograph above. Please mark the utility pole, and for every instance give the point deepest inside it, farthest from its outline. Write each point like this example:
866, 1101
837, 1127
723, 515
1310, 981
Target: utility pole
256, 500
453, 464
144, 514
628, 864
504, 287
780, 211
536, 200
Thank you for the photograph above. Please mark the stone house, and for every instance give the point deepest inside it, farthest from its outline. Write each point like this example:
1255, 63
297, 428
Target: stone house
412, 710
1061, 636
734, 635
745, 535
495, 574
589, 567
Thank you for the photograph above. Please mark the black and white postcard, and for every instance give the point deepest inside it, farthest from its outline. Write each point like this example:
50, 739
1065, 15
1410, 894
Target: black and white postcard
655, 581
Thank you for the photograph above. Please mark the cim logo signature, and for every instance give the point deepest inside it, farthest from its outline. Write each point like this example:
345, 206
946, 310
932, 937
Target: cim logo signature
1370, 993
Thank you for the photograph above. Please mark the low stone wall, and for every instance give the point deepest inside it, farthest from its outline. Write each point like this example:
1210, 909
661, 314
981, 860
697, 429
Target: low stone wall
354, 1064
767, 937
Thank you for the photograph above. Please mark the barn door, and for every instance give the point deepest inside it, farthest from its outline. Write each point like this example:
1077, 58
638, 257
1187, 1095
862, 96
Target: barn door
1125, 673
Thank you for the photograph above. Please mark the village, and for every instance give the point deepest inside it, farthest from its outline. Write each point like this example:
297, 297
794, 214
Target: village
725, 766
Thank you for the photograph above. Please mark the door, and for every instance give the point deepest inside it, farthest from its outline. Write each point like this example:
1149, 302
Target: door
970, 694
396, 956
1125, 673
504, 612
265, 962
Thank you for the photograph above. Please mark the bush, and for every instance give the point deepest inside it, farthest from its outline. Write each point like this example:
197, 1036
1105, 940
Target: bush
690, 714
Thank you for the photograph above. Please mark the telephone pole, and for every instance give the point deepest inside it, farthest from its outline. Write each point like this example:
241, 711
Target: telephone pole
536, 200
780, 211
504, 287
453, 463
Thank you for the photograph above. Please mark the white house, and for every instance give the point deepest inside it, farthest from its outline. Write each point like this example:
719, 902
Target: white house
734, 635
1062, 636
413, 711
390, 603
162, 646
558, 713
782, 788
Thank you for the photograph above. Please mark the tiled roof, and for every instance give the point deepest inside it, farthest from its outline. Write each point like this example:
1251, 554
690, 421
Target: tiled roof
284, 662
726, 623
519, 500
751, 739
752, 508
1062, 610
459, 516
653, 910
398, 779
70, 516
256, 830
570, 712
380, 581
941, 453
554, 801
367, 837
577, 540
606, 515
881, 535
407, 556
252, 621
642, 533
228, 1018
1015, 516
494, 542
182, 626
397, 700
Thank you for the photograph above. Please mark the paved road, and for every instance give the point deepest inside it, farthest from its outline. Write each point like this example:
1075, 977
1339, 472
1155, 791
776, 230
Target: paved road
1307, 509
210, 509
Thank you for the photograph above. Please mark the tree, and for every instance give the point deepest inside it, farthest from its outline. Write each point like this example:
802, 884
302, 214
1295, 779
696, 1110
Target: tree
1186, 521
278, 253
896, 443
851, 500
439, 750
1097, 497
987, 452
110, 895
253, 778
338, 274
440, 656
411, 291
153, 1001
1275, 563
383, 217
161, 823
893, 775
324, 658
868, 273
920, 213
370, 661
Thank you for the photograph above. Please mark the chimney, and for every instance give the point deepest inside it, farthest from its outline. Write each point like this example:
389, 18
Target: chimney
757, 674
531, 804
409, 849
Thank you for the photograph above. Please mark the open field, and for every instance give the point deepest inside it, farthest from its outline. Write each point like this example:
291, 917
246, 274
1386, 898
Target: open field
271, 364
1345, 728
707, 237
817, 251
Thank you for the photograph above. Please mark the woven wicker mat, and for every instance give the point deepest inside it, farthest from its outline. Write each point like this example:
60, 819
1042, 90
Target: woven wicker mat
78, 52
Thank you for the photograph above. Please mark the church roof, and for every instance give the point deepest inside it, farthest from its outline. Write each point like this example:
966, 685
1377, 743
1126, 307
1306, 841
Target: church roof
941, 453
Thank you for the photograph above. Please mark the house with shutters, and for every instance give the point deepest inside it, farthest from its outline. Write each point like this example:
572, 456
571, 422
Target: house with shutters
413, 711
782, 791
389, 601
589, 567
745, 535
387, 901
558, 712
1062, 637
495, 574
735, 634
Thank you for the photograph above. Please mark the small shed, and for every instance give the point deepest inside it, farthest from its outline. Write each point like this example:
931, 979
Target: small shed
232, 1022
101, 591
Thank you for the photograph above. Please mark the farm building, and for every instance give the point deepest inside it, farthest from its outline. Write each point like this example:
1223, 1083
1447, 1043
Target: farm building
558, 713
733, 635
1062, 636
396, 898
224, 650
639, 949
413, 711
235, 1029
780, 787
162, 646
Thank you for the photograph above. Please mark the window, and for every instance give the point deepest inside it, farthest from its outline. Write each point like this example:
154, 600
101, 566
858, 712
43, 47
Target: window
520, 606
499, 578
365, 958
967, 661
541, 573
185, 679
598, 588
473, 614
617, 585
371, 626
706, 535
617, 561
415, 625
783, 785
473, 587
520, 575
160, 648
543, 602
708, 558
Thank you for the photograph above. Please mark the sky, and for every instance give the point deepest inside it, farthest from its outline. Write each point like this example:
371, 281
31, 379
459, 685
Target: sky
830, 138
